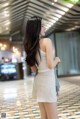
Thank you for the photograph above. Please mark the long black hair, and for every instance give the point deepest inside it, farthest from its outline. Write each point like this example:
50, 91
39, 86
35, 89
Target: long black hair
31, 41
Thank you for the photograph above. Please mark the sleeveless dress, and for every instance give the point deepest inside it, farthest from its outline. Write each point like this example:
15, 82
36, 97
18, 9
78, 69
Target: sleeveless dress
44, 88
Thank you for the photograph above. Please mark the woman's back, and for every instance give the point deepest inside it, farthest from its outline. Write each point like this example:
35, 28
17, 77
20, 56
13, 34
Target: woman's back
43, 66
43, 62
44, 83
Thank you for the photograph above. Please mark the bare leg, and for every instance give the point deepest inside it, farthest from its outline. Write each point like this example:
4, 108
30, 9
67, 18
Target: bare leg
42, 110
51, 109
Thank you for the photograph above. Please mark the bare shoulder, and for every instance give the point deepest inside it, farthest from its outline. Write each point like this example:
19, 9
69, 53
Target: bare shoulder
47, 41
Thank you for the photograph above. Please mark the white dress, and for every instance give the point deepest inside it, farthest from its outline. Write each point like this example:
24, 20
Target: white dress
44, 88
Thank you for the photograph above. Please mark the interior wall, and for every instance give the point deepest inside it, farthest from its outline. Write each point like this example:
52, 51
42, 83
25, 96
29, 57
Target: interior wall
68, 49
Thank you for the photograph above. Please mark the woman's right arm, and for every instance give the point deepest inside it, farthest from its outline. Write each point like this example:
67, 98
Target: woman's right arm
49, 53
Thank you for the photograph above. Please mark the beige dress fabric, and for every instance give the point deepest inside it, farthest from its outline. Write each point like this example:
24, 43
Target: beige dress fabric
44, 88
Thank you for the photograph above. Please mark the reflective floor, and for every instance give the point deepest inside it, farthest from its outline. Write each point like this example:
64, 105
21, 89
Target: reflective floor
16, 101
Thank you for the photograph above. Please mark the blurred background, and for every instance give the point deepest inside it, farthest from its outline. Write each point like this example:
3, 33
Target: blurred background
62, 23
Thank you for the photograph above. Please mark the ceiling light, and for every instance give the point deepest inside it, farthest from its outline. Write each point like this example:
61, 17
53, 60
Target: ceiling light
18, 53
6, 15
52, 21
58, 15
73, 28
6, 4
6, 12
61, 12
66, 9
52, 3
14, 49
7, 23
7, 28
76, 26
68, 30
69, 5
0, 44
48, 25
55, 0
5, 45
6, 9
2, 48
55, 18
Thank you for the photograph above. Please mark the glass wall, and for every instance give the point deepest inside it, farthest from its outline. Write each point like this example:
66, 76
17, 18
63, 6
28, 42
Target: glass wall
51, 36
68, 49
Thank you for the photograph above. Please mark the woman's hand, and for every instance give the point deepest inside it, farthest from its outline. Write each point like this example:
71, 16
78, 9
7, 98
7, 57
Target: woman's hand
57, 59
34, 69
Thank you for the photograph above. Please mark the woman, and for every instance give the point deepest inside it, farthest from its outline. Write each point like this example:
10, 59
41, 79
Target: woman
40, 57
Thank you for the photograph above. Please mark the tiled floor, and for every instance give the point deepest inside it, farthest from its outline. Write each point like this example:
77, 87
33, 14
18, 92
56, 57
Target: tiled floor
16, 101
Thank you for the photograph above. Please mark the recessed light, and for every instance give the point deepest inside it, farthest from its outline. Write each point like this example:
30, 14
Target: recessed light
6, 15
6, 12
55, 0
6, 4
70, 5
61, 12
7, 28
7, 23
52, 3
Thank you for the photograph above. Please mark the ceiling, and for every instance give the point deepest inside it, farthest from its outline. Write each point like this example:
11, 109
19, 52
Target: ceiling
57, 15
